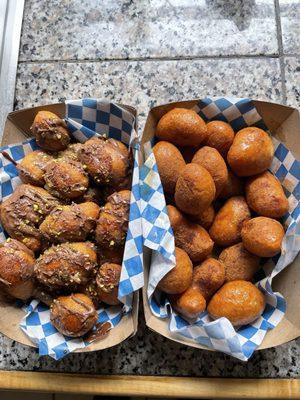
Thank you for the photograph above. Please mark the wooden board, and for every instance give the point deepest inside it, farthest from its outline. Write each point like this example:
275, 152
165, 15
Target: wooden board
151, 386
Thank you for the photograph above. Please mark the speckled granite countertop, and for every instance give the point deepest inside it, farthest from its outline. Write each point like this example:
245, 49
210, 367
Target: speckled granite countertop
145, 53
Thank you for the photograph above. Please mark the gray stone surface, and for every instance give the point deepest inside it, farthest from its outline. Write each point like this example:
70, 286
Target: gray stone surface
290, 25
100, 29
195, 33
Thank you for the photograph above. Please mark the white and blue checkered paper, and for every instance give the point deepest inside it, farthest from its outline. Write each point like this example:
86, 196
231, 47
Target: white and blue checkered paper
220, 334
85, 118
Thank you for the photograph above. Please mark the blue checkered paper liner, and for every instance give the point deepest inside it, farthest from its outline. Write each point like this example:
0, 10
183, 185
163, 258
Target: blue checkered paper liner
85, 118
220, 334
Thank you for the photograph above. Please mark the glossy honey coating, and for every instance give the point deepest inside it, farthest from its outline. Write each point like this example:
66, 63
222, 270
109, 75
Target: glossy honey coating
239, 301
263, 236
32, 167
227, 226
107, 281
234, 186
22, 213
189, 304
182, 127
66, 266
169, 163
70, 223
112, 225
210, 159
205, 218
239, 263
209, 276
190, 237
251, 152
265, 195
50, 131
73, 315
16, 270
195, 189
66, 179
71, 152
179, 278
220, 136
107, 161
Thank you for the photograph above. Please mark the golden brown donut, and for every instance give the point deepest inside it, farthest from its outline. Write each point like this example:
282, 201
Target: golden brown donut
210, 159
73, 315
263, 236
107, 282
239, 301
190, 237
23, 211
234, 186
220, 135
265, 195
189, 304
50, 131
169, 163
195, 189
32, 167
239, 263
209, 276
16, 269
251, 152
66, 266
181, 127
66, 179
107, 161
112, 224
71, 152
205, 218
70, 223
179, 278
227, 225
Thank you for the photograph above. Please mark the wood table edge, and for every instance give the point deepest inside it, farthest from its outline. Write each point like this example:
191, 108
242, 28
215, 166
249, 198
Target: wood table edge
150, 386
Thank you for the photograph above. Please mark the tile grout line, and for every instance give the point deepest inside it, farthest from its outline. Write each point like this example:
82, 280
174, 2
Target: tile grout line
153, 59
280, 50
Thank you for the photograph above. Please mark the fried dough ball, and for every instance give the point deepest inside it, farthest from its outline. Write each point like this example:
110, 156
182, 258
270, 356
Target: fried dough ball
227, 226
90, 289
265, 195
179, 278
239, 301
209, 276
111, 255
70, 223
210, 159
107, 280
251, 152
182, 127
195, 189
71, 152
220, 136
205, 218
50, 131
23, 211
73, 315
16, 269
169, 163
32, 167
189, 304
263, 236
190, 237
66, 266
239, 263
66, 179
108, 161
112, 224
234, 186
